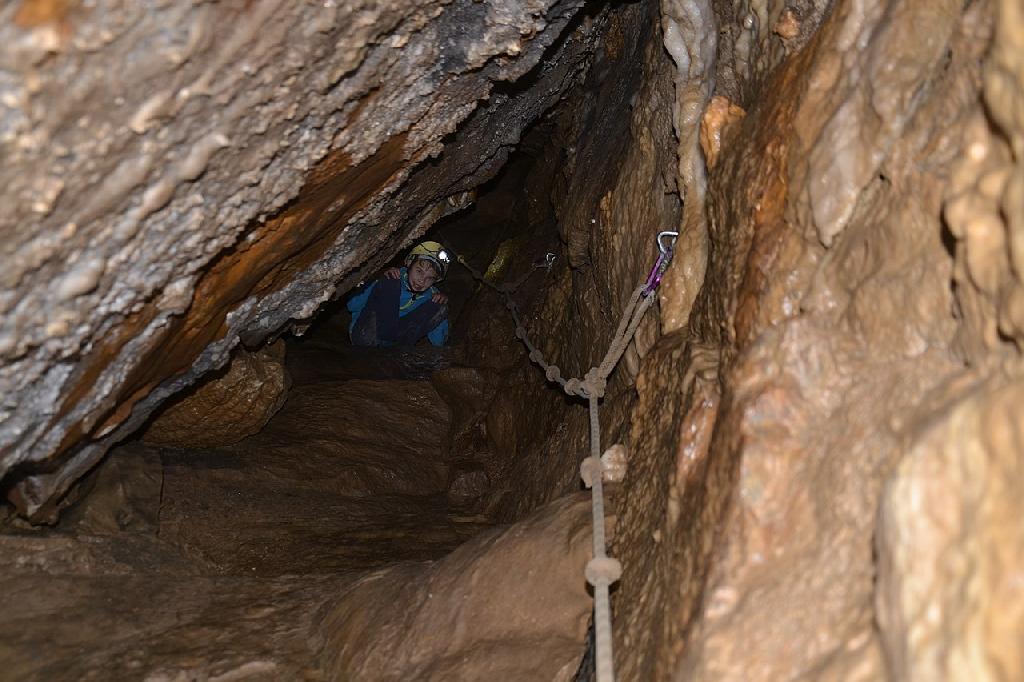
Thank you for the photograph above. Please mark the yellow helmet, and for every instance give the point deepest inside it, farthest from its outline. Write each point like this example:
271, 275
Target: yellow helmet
433, 252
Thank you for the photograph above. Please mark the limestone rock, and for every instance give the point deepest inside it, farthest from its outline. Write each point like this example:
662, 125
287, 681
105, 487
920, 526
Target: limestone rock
951, 545
747, 548
347, 474
244, 166
985, 210
123, 494
608, 215
469, 482
508, 605
951, 541
718, 117
122, 621
466, 391
226, 408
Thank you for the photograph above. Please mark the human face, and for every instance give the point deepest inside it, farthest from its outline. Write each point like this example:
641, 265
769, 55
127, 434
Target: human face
421, 275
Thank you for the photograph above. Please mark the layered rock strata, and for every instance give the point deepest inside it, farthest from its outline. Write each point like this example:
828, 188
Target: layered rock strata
251, 160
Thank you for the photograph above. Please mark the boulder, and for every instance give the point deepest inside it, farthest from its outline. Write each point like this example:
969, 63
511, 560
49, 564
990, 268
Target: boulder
228, 407
508, 605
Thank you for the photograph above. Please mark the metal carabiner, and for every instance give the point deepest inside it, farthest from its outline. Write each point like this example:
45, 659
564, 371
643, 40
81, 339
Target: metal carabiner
661, 246
661, 265
546, 262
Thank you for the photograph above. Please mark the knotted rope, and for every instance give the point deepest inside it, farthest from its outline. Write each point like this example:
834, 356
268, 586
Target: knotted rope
602, 571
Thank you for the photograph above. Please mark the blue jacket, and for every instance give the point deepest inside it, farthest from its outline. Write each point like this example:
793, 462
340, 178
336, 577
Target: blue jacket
438, 335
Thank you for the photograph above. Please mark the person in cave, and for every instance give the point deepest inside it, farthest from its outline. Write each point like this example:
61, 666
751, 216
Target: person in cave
403, 305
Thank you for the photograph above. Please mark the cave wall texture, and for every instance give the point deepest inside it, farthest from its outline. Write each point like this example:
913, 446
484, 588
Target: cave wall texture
823, 421
255, 159
825, 458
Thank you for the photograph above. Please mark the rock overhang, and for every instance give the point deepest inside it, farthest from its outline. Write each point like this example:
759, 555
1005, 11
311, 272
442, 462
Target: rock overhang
215, 172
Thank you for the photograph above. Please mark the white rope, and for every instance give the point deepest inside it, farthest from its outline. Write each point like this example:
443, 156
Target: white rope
602, 571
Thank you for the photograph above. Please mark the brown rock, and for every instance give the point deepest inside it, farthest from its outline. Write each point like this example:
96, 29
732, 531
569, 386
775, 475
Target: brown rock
720, 114
610, 220
950, 597
346, 474
222, 185
751, 557
122, 494
466, 391
788, 25
985, 210
469, 482
228, 407
119, 620
830, 352
508, 605
950, 600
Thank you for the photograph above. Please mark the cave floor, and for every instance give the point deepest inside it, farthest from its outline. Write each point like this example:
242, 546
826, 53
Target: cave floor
213, 564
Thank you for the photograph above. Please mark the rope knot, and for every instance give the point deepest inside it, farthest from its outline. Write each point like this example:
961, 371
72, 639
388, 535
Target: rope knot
535, 356
594, 384
552, 372
573, 387
603, 569
521, 334
590, 469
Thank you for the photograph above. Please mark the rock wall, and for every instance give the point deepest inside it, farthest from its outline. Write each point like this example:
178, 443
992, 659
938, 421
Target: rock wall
824, 473
610, 179
483, 612
823, 459
950, 539
213, 171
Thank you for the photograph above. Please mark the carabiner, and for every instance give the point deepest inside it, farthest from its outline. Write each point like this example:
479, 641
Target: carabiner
661, 265
661, 235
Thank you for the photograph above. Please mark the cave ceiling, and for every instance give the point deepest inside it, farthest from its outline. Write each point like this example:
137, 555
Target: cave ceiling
185, 176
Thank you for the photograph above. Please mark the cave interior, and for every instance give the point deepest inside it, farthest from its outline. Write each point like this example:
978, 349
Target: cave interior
813, 454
